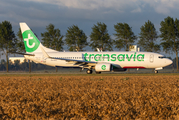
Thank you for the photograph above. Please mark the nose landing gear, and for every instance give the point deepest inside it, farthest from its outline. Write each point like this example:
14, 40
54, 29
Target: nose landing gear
89, 71
156, 71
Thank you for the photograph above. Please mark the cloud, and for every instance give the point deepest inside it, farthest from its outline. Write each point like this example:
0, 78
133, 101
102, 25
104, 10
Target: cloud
85, 12
163, 6
136, 10
160, 6
118, 5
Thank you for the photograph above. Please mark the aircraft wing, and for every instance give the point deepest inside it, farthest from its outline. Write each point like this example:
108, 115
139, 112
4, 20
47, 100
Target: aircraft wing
76, 62
71, 61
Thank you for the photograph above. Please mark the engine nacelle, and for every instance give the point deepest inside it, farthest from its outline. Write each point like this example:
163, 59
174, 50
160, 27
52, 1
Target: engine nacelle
103, 67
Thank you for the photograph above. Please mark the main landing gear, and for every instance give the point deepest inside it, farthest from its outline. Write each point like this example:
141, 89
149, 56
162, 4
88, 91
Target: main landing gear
89, 71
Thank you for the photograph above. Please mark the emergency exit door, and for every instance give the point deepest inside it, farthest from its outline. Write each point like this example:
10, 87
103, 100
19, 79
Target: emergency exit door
151, 58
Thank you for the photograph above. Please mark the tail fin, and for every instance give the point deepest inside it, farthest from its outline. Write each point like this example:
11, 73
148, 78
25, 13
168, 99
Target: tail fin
30, 40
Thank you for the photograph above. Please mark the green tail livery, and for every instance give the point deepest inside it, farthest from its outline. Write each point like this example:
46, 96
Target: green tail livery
30, 41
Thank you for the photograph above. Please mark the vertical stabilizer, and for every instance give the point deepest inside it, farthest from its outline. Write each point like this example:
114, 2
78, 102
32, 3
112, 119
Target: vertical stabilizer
30, 40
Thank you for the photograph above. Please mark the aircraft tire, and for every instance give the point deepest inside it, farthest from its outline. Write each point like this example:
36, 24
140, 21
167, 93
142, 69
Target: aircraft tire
156, 71
89, 71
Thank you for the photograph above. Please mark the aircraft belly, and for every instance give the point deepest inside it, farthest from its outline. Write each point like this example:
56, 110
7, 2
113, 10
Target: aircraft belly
132, 64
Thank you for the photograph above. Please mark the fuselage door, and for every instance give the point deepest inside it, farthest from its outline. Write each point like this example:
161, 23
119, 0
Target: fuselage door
151, 58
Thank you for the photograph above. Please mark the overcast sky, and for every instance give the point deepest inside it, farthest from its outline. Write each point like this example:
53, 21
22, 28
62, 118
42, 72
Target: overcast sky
85, 13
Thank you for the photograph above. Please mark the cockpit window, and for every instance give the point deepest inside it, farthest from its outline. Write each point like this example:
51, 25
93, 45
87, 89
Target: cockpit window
162, 57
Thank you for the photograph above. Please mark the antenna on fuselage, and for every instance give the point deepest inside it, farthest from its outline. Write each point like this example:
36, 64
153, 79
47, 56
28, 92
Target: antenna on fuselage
138, 49
101, 50
98, 49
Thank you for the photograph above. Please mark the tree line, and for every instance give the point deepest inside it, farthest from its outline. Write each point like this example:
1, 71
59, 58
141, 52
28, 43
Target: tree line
24, 66
76, 39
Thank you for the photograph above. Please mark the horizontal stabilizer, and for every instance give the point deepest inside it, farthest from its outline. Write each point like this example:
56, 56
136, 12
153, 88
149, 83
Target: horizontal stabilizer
21, 53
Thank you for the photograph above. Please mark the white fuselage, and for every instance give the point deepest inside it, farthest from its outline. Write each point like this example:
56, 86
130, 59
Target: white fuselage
118, 59
100, 61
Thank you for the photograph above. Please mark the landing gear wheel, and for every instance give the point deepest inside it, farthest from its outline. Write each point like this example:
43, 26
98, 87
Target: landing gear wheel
156, 71
98, 72
89, 71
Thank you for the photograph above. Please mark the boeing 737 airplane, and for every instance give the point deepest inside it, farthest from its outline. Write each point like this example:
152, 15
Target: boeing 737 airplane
99, 61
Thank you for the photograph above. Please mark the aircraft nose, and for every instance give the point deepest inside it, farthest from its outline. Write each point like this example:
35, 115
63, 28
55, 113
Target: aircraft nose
168, 61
